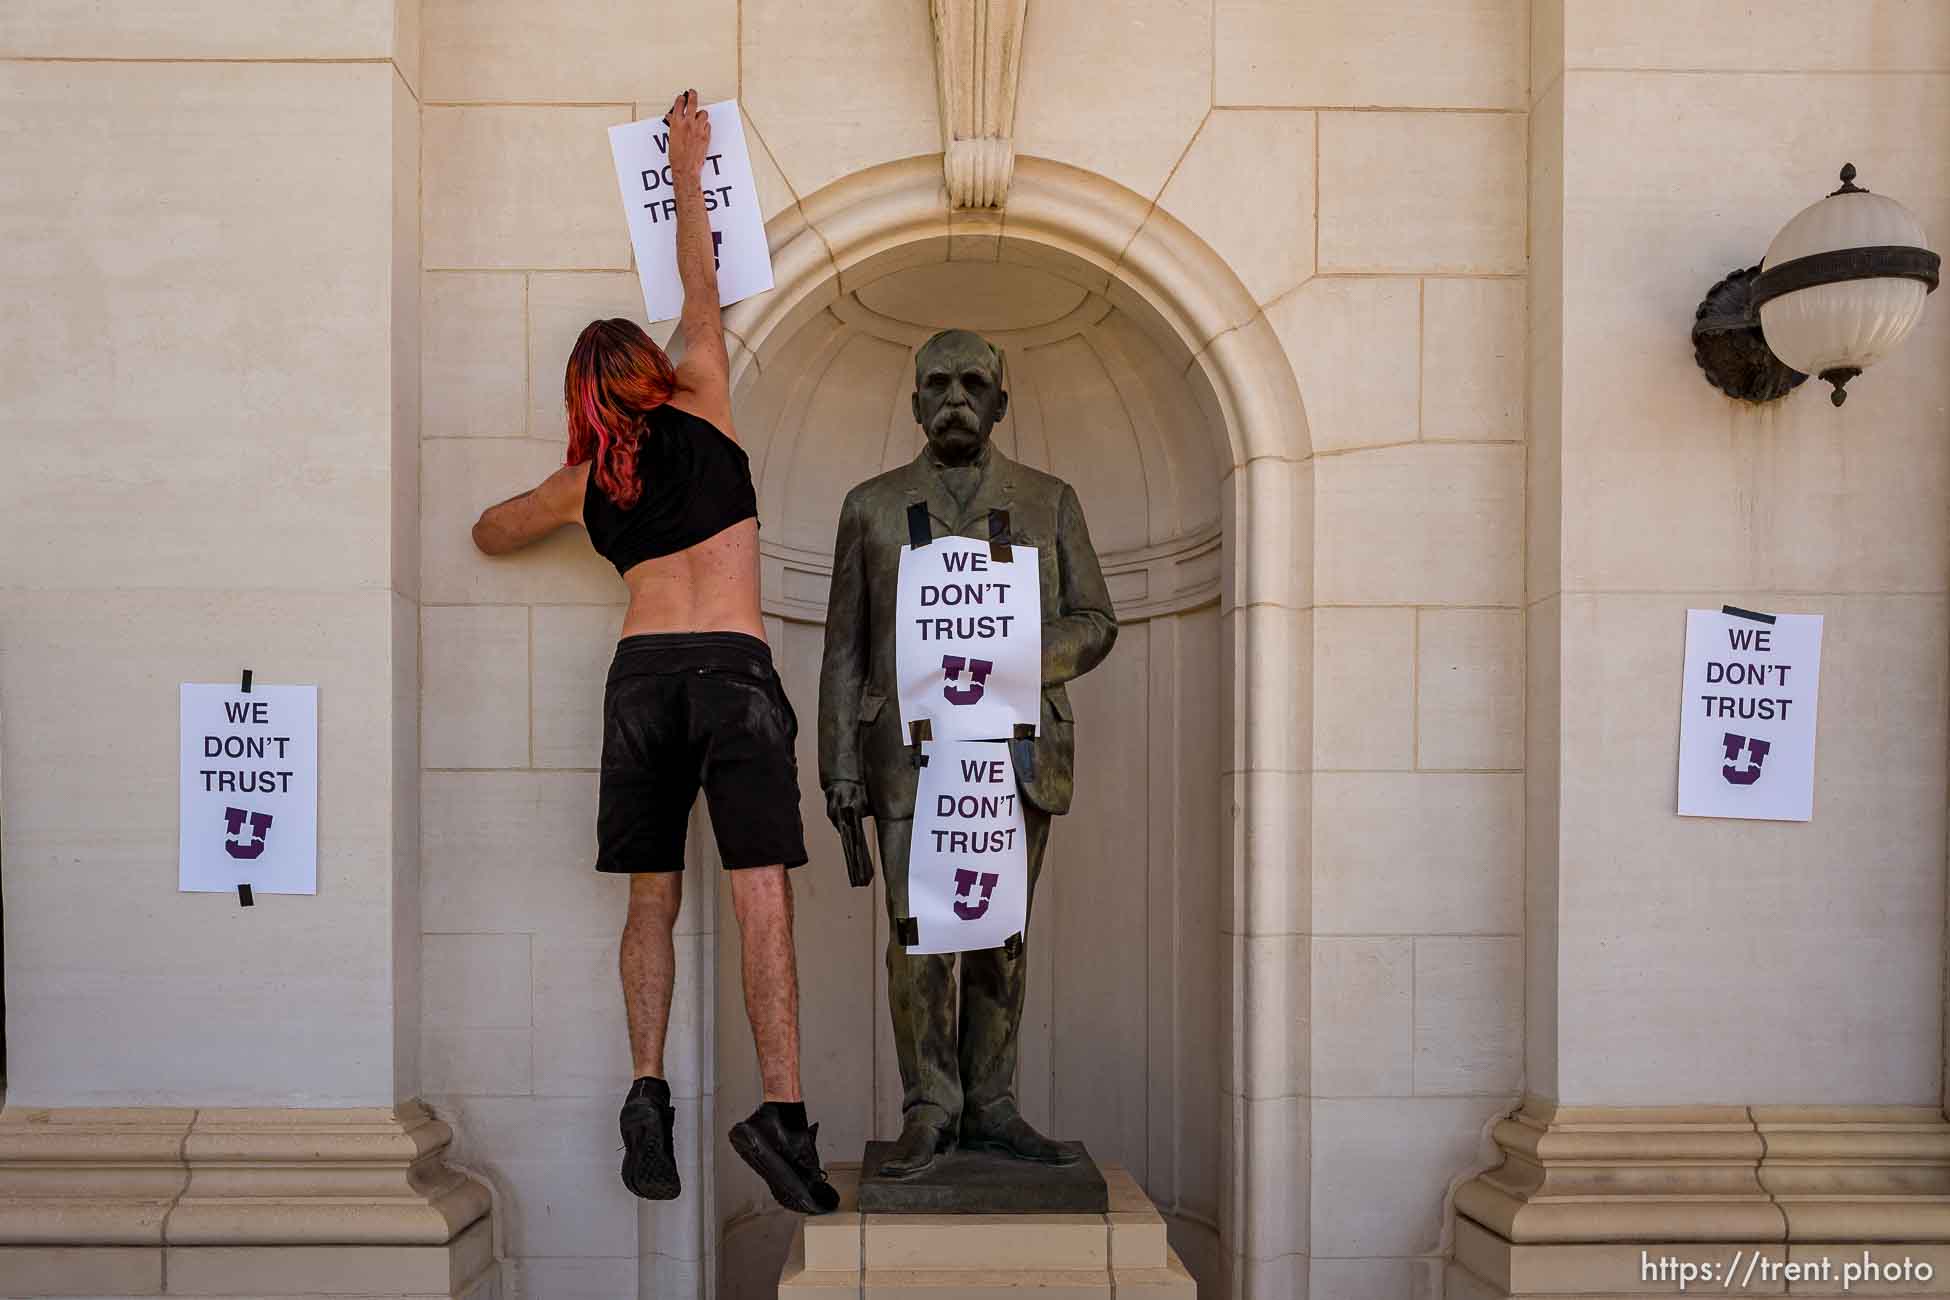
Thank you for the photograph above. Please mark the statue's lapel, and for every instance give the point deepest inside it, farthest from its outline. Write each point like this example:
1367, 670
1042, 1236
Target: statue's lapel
924, 484
996, 492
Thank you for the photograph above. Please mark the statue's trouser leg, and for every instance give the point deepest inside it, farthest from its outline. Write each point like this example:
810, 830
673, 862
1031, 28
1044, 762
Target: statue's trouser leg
921, 998
992, 988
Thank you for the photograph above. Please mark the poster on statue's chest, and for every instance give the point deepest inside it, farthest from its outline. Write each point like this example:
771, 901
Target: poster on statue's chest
967, 867
248, 800
1747, 720
642, 154
968, 647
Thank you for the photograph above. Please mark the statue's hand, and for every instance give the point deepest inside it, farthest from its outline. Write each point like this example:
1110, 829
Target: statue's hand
842, 797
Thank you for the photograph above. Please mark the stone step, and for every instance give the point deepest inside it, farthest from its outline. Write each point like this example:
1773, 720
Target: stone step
1171, 1282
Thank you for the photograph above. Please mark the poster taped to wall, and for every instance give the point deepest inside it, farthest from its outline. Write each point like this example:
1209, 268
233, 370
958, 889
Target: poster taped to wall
968, 864
968, 649
248, 797
642, 154
1747, 716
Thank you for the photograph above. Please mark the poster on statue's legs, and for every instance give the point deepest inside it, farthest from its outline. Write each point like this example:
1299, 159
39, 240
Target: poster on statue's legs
968, 866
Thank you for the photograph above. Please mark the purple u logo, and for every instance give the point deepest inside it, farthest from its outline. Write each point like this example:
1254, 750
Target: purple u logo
234, 822
978, 672
969, 909
1756, 750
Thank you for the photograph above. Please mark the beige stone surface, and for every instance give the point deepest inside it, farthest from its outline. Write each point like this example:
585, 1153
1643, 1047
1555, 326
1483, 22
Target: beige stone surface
474, 379
486, 1062
1269, 242
1378, 1279
1469, 683
81, 1270
1468, 1015
1271, 981
1473, 359
522, 187
1356, 348
474, 699
573, 646
819, 128
1270, 881
298, 1270
1269, 508
1078, 89
476, 981
1274, 1135
559, 307
1357, 53
1425, 524
1897, 35
515, 851
1408, 192
978, 1242
1270, 722
547, 1153
1413, 853
1381, 1167
583, 50
1364, 688
191, 261
202, 29
1363, 1022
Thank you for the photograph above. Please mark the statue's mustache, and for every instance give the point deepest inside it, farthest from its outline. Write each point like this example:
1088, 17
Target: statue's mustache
957, 417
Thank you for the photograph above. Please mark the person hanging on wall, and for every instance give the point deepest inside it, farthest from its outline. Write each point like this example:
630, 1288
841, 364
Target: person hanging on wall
655, 474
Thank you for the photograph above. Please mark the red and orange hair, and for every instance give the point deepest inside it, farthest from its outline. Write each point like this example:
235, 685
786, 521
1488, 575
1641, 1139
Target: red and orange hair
616, 375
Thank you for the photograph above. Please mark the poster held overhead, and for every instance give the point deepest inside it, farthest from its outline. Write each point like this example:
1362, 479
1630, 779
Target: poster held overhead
642, 154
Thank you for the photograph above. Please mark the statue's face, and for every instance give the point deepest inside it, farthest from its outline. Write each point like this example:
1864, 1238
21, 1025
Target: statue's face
958, 395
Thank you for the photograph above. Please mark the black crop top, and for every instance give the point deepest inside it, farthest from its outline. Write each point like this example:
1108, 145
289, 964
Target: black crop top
697, 482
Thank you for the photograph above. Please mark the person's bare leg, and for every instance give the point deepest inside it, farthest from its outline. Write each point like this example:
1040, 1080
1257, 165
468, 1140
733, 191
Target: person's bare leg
762, 899
647, 961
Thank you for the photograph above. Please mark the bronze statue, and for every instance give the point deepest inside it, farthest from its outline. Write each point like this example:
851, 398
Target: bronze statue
959, 1086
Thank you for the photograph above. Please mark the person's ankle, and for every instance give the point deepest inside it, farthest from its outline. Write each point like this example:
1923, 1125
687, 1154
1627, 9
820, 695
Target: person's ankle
791, 1114
648, 1087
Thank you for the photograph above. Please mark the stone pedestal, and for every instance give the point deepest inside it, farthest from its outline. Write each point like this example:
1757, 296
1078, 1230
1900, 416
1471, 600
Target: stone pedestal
1120, 1254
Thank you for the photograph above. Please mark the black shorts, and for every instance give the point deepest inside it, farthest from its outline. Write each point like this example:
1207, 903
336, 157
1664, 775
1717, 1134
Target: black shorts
688, 709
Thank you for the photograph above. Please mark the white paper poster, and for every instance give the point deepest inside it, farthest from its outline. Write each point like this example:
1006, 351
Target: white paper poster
968, 640
642, 153
249, 788
1747, 720
967, 867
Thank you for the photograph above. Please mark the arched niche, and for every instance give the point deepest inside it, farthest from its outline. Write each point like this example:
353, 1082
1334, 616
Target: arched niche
1141, 372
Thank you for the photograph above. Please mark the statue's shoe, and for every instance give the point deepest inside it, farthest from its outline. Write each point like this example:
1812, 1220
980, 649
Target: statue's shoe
914, 1150
1012, 1136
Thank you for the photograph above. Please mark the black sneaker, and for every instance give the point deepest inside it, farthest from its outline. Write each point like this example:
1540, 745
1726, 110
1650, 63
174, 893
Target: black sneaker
787, 1161
649, 1164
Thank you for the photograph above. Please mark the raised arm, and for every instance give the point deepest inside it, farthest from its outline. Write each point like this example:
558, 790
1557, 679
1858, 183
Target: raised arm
704, 371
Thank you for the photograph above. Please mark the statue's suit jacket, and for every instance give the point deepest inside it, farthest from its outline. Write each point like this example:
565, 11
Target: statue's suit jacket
860, 735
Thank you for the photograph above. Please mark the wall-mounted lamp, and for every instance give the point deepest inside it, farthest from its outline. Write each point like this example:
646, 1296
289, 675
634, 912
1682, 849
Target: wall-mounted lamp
1841, 286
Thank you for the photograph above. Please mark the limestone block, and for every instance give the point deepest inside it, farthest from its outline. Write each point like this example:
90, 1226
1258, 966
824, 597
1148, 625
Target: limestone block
582, 50
253, 443
1640, 425
483, 1062
1473, 359
1383, 1166
559, 308
522, 187
1282, 1278
1269, 241
1364, 688
582, 1041
775, 193
202, 29
81, 1270
515, 851
1412, 853
1272, 974
979, 1241
474, 366
1271, 810
1428, 192
1355, 346
1426, 524
1378, 1279
1267, 509
1078, 89
1269, 724
1469, 688
819, 128
1911, 35
574, 646
1363, 1017
1355, 53
587, 1278
546, 1155
474, 696
460, 477
1275, 1142
1468, 1015
476, 981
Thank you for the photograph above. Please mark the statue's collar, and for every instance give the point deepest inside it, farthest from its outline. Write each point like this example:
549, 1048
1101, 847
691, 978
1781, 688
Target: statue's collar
980, 462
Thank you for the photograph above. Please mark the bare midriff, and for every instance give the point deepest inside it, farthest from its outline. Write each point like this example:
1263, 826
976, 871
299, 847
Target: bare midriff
709, 587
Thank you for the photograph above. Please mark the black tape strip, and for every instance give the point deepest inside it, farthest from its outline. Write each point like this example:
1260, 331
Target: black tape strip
1737, 612
244, 894
918, 534
1025, 731
907, 931
919, 730
1013, 945
999, 548
246, 687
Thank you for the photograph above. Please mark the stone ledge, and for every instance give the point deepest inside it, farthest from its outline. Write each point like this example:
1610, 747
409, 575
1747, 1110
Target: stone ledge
1582, 1191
